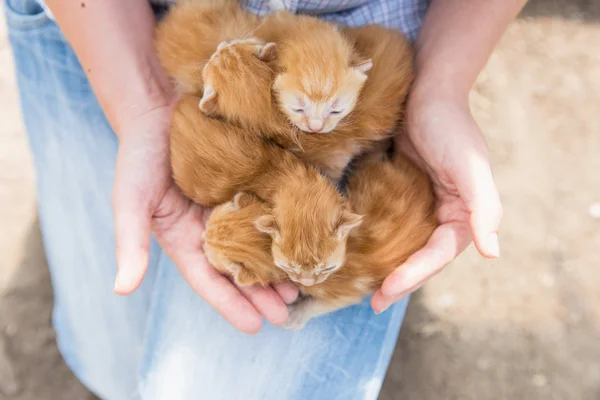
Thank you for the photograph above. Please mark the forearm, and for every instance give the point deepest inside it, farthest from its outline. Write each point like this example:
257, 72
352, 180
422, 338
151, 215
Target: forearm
457, 39
113, 40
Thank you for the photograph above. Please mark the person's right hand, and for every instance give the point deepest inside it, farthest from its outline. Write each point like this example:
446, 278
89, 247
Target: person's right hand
145, 198
445, 141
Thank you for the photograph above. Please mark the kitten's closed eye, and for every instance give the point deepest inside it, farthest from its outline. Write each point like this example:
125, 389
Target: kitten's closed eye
284, 267
329, 268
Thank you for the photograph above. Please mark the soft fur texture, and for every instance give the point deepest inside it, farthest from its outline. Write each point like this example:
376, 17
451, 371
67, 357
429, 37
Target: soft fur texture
235, 133
233, 247
213, 160
397, 202
238, 77
319, 75
190, 33
378, 111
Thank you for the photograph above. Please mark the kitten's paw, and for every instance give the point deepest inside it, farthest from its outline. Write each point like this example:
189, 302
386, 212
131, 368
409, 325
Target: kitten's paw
234, 269
241, 275
297, 318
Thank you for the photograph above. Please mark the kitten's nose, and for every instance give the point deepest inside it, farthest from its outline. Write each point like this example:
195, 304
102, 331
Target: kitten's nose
307, 281
316, 125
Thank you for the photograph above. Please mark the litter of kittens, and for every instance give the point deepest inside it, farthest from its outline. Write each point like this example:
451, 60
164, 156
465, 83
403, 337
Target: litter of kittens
265, 129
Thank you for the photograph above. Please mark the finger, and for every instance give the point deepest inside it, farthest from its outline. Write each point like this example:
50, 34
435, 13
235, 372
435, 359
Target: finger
287, 291
132, 217
178, 228
267, 302
475, 183
220, 293
446, 243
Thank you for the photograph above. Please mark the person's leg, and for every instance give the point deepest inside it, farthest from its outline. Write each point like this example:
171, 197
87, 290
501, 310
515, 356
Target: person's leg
185, 349
192, 353
99, 334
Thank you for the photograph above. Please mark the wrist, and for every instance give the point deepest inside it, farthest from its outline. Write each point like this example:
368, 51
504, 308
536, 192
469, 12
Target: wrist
432, 109
427, 93
145, 91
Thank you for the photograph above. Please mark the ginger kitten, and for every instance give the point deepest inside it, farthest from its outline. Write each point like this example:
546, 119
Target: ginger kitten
319, 75
378, 111
397, 204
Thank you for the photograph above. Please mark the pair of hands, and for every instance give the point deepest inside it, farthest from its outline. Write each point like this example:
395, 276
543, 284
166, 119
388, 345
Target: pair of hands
442, 138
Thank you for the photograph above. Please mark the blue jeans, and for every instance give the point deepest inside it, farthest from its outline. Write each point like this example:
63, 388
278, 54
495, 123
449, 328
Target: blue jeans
162, 342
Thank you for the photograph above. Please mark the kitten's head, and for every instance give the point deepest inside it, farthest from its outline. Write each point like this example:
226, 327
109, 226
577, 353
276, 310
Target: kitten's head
309, 230
320, 78
237, 78
233, 245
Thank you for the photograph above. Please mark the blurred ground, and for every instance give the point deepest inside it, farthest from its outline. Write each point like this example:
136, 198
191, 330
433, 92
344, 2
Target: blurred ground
523, 327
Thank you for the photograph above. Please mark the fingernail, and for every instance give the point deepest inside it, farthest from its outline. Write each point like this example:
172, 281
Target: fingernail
387, 305
290, 300
125, 280
382, 309
493, 245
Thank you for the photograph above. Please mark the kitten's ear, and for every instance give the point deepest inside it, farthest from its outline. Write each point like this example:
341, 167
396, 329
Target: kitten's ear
348, 221
268, 52
362, 67
278, 82
208, 102
267, 224
242, 200
241, 275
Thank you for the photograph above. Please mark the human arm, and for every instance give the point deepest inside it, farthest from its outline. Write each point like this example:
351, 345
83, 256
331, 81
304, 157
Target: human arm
455, 42
113, 40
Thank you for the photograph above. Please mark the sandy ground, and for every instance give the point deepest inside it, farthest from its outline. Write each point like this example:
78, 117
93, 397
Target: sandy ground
523, 327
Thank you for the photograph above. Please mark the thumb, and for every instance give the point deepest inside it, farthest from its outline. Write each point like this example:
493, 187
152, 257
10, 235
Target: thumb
132, 216
475, 183
476, 186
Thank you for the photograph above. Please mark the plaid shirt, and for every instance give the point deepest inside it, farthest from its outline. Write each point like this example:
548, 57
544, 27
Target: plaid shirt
403, 15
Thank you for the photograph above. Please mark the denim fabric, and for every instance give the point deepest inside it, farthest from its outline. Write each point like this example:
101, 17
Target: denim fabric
162, 342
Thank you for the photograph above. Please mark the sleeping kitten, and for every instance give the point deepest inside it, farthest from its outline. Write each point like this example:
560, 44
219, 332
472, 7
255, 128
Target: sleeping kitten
377, 113
309, 226
397, 202
319, 75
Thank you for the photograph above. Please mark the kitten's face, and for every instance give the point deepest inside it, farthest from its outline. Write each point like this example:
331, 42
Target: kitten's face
308, 251
317, 102
316, 270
